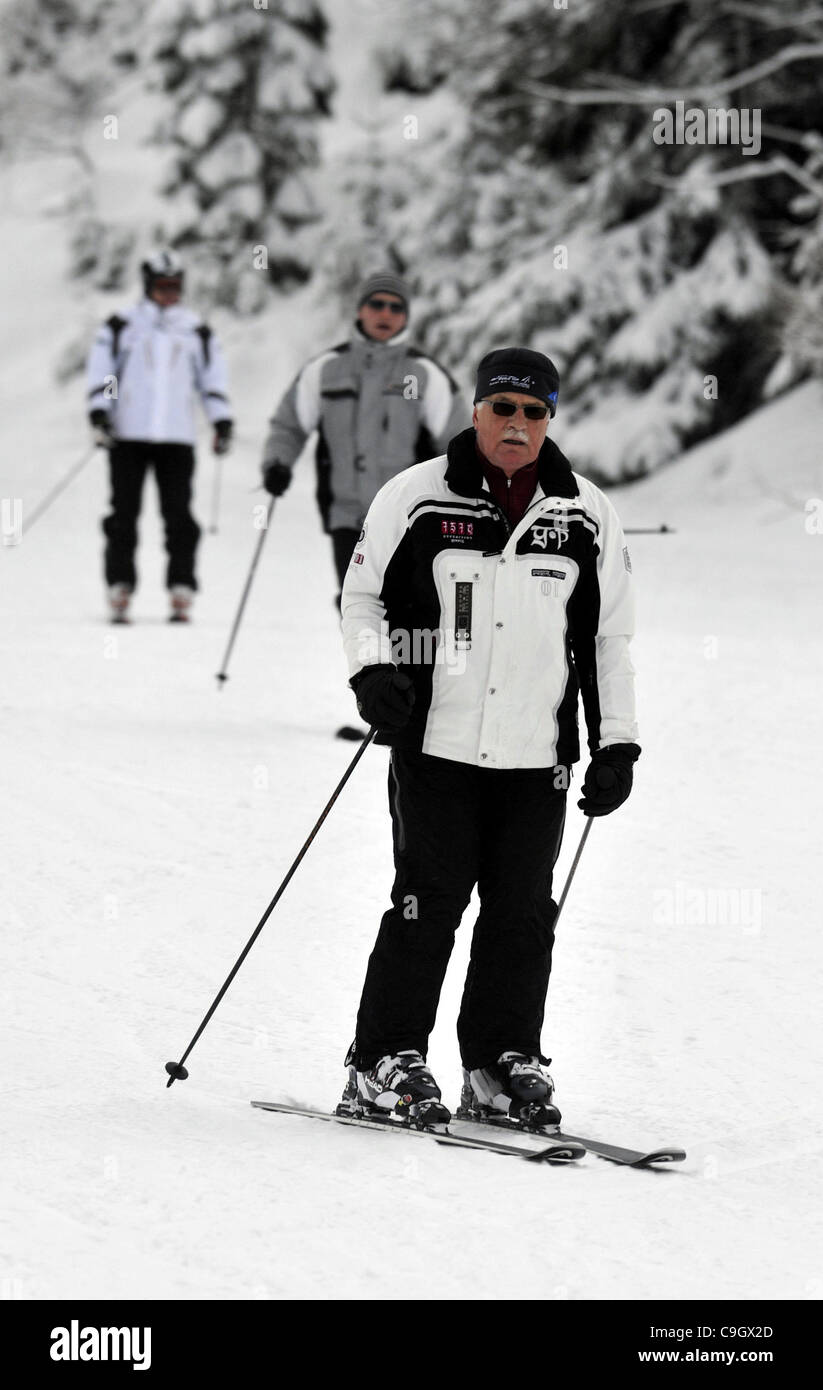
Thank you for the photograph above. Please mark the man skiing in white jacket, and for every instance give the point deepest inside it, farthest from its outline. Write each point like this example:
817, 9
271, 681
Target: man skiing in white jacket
144, 369
489, 590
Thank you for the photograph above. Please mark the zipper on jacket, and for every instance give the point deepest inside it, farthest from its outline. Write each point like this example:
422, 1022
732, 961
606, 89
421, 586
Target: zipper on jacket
505, 520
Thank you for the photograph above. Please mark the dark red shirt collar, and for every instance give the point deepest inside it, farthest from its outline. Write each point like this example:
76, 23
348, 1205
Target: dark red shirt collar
513, 494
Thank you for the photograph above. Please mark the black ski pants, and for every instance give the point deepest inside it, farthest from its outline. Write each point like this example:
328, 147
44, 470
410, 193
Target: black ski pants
343, 539
456, 826
129, 461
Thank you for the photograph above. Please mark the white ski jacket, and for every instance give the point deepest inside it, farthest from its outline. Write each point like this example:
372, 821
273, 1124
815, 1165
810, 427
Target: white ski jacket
144, 368
500, 629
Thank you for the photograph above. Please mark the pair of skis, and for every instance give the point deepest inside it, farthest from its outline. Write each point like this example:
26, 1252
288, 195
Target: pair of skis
556, 1148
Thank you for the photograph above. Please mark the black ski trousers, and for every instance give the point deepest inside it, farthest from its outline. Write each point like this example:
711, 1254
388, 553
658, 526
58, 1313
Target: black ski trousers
343, 540
129, 461
456, 826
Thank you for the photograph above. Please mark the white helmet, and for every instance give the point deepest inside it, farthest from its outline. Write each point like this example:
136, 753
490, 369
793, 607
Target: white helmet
164, 265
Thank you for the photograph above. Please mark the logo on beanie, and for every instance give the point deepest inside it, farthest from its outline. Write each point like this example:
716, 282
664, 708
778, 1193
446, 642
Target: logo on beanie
518, 383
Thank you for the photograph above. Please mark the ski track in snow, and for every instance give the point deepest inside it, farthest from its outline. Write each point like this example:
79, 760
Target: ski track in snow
150, 817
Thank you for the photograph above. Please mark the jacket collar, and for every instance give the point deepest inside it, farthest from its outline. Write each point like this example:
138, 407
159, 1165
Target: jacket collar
156, 314
464, 471
361, 339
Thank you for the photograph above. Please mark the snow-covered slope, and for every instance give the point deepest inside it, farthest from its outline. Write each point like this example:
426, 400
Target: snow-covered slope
149, 818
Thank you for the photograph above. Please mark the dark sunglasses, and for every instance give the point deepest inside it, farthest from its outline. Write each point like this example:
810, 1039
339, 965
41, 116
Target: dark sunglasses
531, 412
161, 283
379, 304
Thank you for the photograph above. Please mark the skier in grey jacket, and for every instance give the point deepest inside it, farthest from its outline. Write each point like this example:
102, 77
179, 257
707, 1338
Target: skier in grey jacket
378, 404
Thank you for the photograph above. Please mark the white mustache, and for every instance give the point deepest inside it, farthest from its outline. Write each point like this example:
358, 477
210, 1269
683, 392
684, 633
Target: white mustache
520, 435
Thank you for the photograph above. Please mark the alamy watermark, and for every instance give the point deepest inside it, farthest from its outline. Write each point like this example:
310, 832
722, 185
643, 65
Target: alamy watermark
419, 646
76, 1343
687, 906
714, 126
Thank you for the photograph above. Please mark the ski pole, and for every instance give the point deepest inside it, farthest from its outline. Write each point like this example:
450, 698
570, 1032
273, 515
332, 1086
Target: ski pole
221, 674
662, 530
176, 1070
215, 494
575, 862
58, 488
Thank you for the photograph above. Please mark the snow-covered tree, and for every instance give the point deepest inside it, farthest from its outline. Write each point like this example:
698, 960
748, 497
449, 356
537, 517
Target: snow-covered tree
241, 87
57, 64
247, 84
664, 278
50, 73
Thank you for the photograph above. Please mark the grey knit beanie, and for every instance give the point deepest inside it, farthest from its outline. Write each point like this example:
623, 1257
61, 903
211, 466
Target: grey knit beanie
384, 281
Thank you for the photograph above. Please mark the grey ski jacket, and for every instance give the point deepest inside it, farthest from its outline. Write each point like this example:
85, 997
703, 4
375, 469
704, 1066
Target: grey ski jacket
377, 407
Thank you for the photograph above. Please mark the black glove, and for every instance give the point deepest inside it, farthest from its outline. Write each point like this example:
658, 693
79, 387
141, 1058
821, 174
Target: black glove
385, 696
608, 779
221, 443
100, 422
276, 478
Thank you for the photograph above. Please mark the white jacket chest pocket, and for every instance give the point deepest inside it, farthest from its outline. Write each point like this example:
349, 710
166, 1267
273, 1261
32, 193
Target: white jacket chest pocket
549, 583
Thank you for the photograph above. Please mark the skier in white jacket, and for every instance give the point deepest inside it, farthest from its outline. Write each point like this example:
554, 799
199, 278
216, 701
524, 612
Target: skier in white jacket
489, 591
144, 368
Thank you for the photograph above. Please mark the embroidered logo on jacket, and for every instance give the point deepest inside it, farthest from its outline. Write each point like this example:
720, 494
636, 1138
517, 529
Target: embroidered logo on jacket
556, 530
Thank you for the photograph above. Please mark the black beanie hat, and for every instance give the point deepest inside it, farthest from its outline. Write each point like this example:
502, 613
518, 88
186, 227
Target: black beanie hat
518, 369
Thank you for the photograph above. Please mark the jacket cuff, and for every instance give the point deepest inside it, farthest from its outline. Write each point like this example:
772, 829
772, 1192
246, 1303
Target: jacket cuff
625, 752
364, 671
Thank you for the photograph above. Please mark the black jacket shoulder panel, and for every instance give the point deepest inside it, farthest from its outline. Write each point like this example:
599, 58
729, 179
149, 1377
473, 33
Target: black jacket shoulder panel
116, 324
203, 332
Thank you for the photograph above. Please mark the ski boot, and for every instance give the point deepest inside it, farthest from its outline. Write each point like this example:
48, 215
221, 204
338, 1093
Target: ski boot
399, 1087
515, 1090
119, 597
181, 597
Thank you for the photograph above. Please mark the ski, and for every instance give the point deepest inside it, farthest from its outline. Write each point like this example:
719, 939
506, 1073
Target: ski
466, 1125
633, 1158
563, 1151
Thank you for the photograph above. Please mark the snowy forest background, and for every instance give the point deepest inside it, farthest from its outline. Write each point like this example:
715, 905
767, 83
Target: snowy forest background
499, 153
